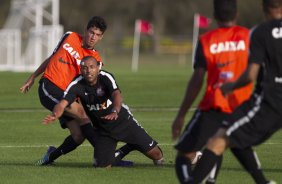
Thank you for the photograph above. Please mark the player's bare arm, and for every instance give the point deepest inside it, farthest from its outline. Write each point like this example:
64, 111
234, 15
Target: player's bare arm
30, 81
57, 112
192, 92
117, 101
248, 76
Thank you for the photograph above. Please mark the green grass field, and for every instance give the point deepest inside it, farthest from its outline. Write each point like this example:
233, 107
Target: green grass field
154, 94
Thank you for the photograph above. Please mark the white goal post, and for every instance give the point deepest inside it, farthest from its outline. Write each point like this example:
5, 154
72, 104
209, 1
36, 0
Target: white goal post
25, 41
10, 48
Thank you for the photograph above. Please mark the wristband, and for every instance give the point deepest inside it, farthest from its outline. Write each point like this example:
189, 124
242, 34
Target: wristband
114, 110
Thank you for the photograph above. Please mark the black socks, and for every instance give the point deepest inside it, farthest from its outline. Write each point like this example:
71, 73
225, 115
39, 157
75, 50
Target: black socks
183, 168
122, 152
68, 145
250, 162
214, 173
89, 133
204, 166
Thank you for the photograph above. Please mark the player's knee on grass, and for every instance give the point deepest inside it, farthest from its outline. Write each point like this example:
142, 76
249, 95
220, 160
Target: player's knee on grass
103, 163
156, 155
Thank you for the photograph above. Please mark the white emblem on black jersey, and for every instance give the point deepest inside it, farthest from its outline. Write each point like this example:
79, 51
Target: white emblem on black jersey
277, 32
100, 92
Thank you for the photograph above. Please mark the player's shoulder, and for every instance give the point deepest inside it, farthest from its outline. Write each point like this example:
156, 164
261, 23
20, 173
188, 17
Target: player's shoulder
67, 34
241, 29
106, 74
76, 82
72, 35
262, 29
225, 30
77, 79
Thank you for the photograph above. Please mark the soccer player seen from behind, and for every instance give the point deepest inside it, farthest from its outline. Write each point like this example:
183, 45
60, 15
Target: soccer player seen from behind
102, 101
222, 54
258, 118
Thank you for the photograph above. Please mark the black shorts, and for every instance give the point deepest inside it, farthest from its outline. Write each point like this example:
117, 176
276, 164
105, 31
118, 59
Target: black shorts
134, 134
252, 123
50, 95
201, 127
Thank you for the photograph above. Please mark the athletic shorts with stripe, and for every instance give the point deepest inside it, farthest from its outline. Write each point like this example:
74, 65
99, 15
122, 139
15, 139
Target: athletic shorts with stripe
50, 95
133, 134
201, 127
252, 123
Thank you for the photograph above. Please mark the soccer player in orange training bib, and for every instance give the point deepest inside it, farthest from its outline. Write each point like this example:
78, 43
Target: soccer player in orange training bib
258, 118
222, 53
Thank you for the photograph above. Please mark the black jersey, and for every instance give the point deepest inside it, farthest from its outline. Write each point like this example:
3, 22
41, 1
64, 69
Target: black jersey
200, 60
97, 100
266, 50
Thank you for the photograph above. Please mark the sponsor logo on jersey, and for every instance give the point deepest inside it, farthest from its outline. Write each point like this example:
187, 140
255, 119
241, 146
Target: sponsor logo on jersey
72, 52
228, 46
97, 107
277, 32
278, 79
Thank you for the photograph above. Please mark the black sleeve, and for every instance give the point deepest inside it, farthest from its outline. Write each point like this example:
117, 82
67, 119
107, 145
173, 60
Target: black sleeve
200, 60
257, 46
61, 41
72, 92
109, 81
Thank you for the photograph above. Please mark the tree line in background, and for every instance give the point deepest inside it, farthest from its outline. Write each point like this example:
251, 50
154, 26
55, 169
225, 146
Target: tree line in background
170, 18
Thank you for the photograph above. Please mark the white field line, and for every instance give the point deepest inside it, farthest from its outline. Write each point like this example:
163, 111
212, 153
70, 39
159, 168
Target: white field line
88, 145
136, 109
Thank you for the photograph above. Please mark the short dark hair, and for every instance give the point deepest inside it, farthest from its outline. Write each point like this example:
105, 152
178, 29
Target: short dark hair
271, 4
97, 22
225, 10
86, 58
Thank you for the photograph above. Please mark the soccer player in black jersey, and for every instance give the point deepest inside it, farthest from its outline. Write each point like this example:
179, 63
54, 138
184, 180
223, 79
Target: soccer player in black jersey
102, 101
259, 117
220, 66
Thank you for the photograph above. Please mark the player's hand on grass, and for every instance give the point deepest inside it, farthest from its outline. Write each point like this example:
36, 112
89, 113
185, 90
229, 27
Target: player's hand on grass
177, 127
49, 119
27, 85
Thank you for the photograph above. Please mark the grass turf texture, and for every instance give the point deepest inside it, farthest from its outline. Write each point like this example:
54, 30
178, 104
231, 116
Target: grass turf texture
154, 94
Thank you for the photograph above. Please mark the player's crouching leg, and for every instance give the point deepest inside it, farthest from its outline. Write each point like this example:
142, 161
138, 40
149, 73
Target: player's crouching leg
156, 155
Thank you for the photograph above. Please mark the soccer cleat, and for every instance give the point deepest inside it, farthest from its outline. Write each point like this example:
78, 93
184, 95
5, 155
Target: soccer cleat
123, 163
45, 159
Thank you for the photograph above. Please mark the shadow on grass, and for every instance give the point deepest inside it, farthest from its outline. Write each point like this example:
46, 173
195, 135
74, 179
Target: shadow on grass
135, 166
82, 165
237, 169
57, 165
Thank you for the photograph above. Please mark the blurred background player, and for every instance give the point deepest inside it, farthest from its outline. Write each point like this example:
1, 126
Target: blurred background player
102, 101
258, 118
59, 70
222, 53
